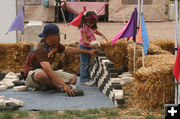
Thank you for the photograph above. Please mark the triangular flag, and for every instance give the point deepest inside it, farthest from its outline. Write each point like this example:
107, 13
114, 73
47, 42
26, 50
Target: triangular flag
129, 30
18, 23
77, 20
142, 37
176, 69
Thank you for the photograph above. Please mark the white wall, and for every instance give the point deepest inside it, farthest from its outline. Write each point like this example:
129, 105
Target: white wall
7, 14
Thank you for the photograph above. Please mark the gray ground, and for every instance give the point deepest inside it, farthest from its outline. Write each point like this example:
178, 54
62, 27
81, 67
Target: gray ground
156, 30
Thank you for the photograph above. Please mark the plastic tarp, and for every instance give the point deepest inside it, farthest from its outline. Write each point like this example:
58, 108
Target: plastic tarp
77, 7
39, 13
120, 10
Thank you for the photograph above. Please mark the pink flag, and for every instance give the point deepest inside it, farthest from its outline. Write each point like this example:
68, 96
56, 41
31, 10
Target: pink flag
77, 20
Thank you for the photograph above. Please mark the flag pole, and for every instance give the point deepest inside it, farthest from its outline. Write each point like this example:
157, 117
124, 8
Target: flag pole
142, 48
16, 15
138, 19
176, 14
178, 42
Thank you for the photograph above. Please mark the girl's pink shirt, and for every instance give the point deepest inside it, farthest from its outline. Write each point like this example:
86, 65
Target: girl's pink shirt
89, 33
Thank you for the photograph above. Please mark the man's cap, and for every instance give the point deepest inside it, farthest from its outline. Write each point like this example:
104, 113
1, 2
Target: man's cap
49, 29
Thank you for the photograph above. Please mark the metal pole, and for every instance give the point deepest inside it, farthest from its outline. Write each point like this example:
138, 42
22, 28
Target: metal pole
142, 48
63, 14
16, 15
176, 31
134, 59
178, 42
139, 11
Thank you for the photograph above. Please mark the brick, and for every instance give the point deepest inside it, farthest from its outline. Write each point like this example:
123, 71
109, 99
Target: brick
2, 83
128, 75
125, 73
115, 80
112, 70
113, 75
109, 65
119, 102
13, 105
2, 97
95, 44
19, 83
2, 103
20, 88
104, 61
16, 101
3, 87
123, 83
101, 54
10, 79
9, 84
118, 94
116, 86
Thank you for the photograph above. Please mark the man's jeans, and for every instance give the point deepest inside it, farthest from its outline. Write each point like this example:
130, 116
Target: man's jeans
84, 67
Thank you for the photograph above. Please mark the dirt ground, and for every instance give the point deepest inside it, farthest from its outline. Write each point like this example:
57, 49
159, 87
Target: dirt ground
156, 30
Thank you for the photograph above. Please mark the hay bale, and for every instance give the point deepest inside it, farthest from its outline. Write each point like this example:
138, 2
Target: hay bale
14, 55
167, 45
69, 62
152, 50
154, 85
151, 60
116, 53
130, 54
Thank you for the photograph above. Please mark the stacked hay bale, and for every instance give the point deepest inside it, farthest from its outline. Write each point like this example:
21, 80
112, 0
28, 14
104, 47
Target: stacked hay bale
13, 56
116, 53
130, 54
70, 62
154, 85
152, 50
167, 45
151, 60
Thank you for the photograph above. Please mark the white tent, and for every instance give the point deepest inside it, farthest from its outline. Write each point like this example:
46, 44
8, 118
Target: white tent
154, 10
8, 13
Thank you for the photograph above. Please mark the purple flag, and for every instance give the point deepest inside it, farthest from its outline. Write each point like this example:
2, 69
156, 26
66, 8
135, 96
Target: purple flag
18, 23
129, 30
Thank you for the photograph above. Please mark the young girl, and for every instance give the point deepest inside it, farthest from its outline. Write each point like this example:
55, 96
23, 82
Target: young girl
88, 27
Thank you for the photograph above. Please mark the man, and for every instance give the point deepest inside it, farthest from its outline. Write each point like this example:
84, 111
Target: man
38, 72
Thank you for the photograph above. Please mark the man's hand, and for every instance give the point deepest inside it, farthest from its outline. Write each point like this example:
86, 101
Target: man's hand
68, 90
104, 37
93, 52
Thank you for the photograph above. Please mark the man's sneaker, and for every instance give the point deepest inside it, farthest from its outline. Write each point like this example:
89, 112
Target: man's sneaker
88, 83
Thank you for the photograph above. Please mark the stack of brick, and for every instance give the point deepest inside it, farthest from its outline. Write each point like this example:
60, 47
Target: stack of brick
9, 82
106, 77
11, 104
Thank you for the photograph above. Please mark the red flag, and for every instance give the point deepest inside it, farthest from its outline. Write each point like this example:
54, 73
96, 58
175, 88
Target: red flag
176, 69
77, 20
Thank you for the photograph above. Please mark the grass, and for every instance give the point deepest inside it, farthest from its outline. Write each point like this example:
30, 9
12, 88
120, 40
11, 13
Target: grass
6, 115
103, 113
21, 114
48, 115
